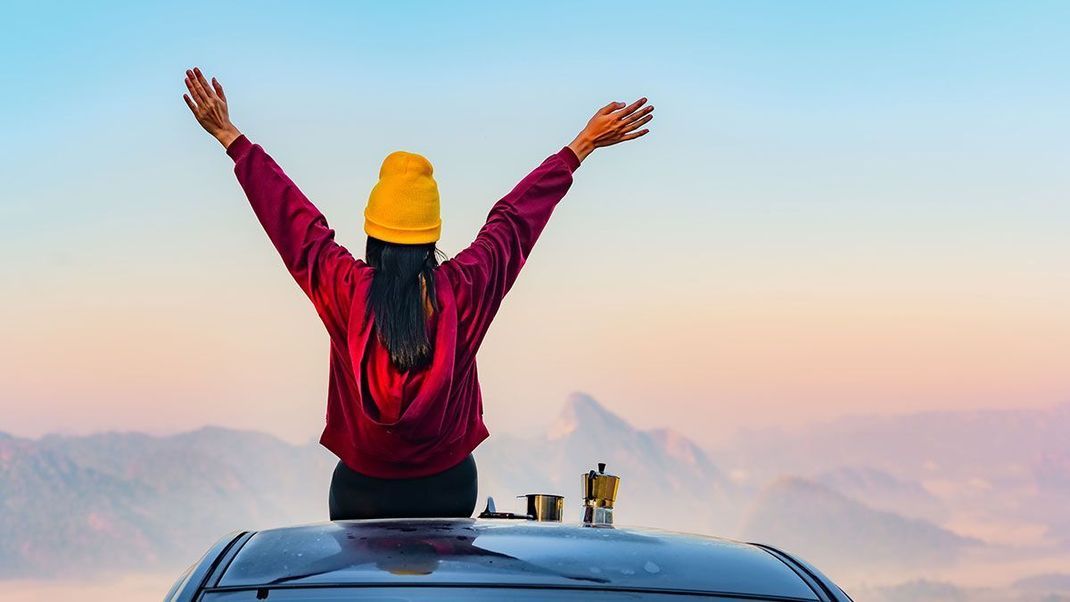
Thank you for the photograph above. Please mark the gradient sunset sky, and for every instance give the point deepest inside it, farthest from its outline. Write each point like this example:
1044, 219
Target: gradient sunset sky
841, 207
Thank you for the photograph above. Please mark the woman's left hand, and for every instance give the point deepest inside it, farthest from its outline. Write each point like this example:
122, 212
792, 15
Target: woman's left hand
209, 106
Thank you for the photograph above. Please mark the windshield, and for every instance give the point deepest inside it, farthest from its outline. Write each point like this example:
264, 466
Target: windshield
413, 594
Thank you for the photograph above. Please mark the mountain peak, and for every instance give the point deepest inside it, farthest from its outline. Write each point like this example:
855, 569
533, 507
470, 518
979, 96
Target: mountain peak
679, 447
582, 412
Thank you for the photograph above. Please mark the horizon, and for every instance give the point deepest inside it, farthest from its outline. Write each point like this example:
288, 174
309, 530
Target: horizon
706, 445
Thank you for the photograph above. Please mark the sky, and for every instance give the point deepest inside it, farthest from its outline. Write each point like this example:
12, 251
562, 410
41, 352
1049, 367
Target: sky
841, 208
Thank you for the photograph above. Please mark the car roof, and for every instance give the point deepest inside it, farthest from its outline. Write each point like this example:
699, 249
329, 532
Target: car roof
507, 553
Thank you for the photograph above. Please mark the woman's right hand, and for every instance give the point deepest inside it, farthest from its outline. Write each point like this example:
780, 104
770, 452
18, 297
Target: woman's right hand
612, 123
209, 106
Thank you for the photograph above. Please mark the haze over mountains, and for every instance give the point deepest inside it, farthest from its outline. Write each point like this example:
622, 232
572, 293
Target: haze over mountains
878, 502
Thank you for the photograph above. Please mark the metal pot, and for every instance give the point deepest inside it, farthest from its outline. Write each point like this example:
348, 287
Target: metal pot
545, 506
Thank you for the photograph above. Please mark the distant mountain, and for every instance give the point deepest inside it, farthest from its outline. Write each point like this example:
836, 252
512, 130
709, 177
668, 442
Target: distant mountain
121, 501
988, 468
882, 491
923, 590
833, 530
666, 479
1048, 582
923, 445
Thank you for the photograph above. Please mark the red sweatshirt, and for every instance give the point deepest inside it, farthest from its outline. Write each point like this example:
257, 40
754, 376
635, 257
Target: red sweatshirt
380, 422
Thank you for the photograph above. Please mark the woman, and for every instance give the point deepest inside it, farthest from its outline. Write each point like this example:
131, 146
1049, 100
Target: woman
404, 409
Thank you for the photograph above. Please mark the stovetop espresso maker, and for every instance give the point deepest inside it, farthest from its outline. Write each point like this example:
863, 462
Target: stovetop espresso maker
599, 493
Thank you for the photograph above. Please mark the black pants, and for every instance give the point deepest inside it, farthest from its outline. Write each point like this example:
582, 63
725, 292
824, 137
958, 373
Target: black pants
450, 493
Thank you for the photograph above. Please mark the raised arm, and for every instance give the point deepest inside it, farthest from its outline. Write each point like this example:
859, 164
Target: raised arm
485, 271
323, 269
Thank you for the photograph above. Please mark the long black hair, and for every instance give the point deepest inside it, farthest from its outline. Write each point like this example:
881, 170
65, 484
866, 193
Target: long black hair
396, 300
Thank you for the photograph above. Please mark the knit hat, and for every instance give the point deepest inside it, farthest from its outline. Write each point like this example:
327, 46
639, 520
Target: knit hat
403, 206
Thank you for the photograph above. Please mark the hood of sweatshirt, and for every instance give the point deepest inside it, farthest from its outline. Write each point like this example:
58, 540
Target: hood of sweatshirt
411, 405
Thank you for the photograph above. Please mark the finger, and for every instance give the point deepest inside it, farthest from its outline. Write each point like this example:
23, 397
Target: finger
190, 104
199, 94
631, 136
609, 107
194, 88
202, 82
194, 92
219, 89
634, 135
628, 109
639, 122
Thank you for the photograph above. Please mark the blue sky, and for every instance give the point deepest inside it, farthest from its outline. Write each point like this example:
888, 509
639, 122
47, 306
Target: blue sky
866, 179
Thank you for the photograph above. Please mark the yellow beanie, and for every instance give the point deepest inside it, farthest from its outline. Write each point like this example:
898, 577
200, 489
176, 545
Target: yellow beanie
403, 206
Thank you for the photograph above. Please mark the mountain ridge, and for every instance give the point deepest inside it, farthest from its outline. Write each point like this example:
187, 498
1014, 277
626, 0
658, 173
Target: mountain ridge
156, 501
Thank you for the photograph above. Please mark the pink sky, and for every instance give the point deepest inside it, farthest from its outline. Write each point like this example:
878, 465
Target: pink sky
239, 347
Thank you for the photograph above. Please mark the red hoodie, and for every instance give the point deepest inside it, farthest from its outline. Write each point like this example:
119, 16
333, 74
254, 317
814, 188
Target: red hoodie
381, 422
